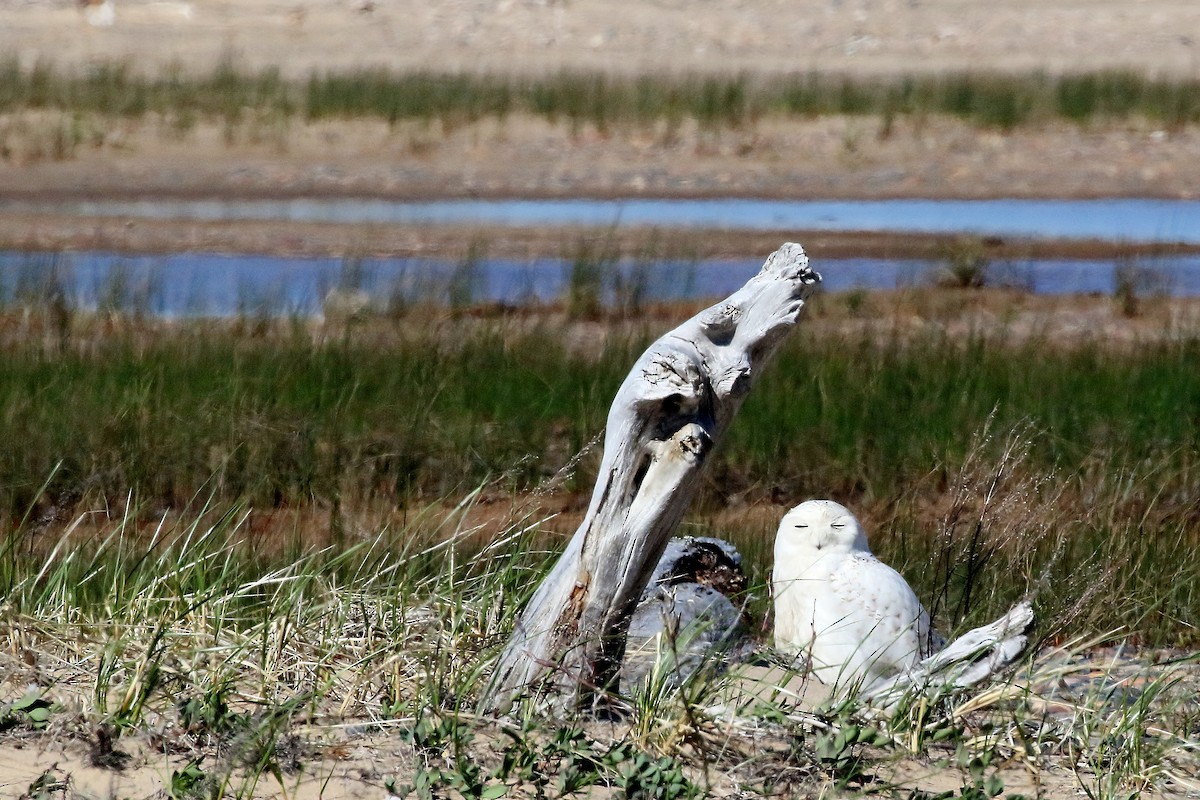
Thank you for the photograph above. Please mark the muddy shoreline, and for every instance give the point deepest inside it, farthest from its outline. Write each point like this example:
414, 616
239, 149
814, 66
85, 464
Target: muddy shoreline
49, 233
803, 159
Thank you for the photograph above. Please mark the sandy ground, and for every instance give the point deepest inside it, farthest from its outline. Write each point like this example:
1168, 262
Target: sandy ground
356, 770
876, 36
352, 761
820, 158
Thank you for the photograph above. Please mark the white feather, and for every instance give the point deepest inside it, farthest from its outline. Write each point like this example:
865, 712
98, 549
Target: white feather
855, 618
858, 622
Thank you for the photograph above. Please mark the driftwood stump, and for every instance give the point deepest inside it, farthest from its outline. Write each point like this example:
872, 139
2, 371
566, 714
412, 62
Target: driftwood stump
668, 414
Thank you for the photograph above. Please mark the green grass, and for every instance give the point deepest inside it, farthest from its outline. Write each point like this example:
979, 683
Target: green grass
1001, 101
288, 420
433, 408
386, 414
864, 418
244, 676
428, 405
147, 601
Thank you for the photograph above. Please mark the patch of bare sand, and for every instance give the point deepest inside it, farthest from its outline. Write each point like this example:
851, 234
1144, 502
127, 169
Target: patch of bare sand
759, 731
1011, 316
829, 157
348, 771
531, 36
349, 762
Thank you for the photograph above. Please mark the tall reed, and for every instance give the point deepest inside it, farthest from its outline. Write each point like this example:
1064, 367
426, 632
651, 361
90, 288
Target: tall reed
392, 411
601, 100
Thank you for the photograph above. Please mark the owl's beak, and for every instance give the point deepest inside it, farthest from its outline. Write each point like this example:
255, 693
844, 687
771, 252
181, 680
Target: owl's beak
821, 538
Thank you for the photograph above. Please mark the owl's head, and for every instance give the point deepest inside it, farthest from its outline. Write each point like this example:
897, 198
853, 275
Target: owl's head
822, 525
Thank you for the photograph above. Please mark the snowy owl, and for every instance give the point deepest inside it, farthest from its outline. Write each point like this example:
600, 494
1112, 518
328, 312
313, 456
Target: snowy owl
853, 617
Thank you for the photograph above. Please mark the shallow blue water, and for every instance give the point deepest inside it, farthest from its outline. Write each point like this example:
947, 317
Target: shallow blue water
188, 284
1141, 220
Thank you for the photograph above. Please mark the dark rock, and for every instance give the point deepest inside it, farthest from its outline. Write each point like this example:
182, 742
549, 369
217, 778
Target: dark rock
699, 559
689, 617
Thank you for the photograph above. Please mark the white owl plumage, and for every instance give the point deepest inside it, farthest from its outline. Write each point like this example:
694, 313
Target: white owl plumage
855, 619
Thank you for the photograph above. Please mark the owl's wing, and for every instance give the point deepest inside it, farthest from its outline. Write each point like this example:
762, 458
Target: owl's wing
871, 621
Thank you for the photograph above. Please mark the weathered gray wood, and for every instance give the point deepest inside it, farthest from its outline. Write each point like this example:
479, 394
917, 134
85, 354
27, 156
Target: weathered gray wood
973, 657
669, 412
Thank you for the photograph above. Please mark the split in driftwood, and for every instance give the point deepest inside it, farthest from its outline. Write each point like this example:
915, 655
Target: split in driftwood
670, 411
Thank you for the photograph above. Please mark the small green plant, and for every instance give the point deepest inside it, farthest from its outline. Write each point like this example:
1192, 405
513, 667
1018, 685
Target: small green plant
31, 710
466, 281
1133, 282
856, 301
1127, 289
443, 744
558, 762
569, 753
589, 269
964, 264
840, 749
53, 784
209, 714
190, 782
140, 679
643, 777
981, 783
630, 286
